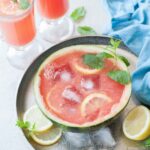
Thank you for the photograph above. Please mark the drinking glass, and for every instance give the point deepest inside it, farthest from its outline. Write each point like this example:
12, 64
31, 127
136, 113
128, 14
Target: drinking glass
19, 32
55, 26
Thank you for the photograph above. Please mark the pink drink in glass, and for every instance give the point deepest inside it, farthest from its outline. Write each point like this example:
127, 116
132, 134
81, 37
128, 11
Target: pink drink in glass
53, 9
55, 26
17, 25
18, 30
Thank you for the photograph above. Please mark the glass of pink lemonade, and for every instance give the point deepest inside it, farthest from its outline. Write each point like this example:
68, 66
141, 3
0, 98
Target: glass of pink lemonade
54, 26
18, 30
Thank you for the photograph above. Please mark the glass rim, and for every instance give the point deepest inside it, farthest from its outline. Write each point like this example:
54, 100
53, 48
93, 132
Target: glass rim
8, 17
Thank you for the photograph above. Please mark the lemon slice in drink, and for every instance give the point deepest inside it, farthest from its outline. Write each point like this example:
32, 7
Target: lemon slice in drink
93, 102
136, 125
35, 116
48, 137
84, 69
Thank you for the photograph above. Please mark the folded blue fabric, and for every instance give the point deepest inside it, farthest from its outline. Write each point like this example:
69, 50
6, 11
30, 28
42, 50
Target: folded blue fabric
131, 24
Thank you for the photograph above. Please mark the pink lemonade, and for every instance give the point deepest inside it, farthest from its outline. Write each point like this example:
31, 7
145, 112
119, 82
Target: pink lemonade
64, 87
17, 25
53, 9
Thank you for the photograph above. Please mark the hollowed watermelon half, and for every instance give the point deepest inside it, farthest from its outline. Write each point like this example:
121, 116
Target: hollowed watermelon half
76, 96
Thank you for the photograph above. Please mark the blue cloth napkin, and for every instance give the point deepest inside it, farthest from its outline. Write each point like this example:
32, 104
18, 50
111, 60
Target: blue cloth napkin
131, 23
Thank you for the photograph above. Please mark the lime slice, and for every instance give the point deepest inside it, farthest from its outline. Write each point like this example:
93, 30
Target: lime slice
97, 99
136, 125
35, 116
48, 137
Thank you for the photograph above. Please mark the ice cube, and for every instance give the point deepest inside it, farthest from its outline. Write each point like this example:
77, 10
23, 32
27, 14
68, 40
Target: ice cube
65, 76
71, 95
87, 84
78, 140
103, 138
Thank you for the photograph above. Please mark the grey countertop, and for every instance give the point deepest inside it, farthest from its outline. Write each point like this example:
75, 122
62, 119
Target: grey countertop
11, 138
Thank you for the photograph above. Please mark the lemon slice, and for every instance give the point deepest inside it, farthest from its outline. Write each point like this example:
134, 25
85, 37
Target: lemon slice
48, 137
98, 98
136, 125
85, 70
35, 116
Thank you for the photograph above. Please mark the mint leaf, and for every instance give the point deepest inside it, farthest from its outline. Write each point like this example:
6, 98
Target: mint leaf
22, 124
15, 1
24, 4
27, 126
78, 13
86, 30
123, 77
125, 60
147, 143
104, 55
114, 43
92, 61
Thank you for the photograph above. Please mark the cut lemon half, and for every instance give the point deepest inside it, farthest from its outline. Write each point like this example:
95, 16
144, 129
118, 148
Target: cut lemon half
83, 69
48, 137
94, 101
136, 125
35, 116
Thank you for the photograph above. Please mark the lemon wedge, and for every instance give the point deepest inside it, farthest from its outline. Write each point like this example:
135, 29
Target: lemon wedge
48, 137
136, 125
35, 116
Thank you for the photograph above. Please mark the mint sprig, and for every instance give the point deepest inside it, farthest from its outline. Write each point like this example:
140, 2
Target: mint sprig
78, 13
112, 47
30, 128
22, 124
96, 61
86, 30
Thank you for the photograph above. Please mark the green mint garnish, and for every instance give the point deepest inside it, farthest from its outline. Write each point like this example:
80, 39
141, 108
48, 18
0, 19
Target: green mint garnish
92, 61
22, 124
96, 61
24, 4
86, 30
123, 77
26, 126
147, 143
78, 13
114, 44
125, 60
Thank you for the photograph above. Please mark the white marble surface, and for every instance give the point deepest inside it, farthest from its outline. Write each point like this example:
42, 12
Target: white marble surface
11, 138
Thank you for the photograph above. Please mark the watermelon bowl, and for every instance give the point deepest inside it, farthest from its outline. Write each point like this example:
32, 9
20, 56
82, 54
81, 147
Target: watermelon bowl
75, 96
